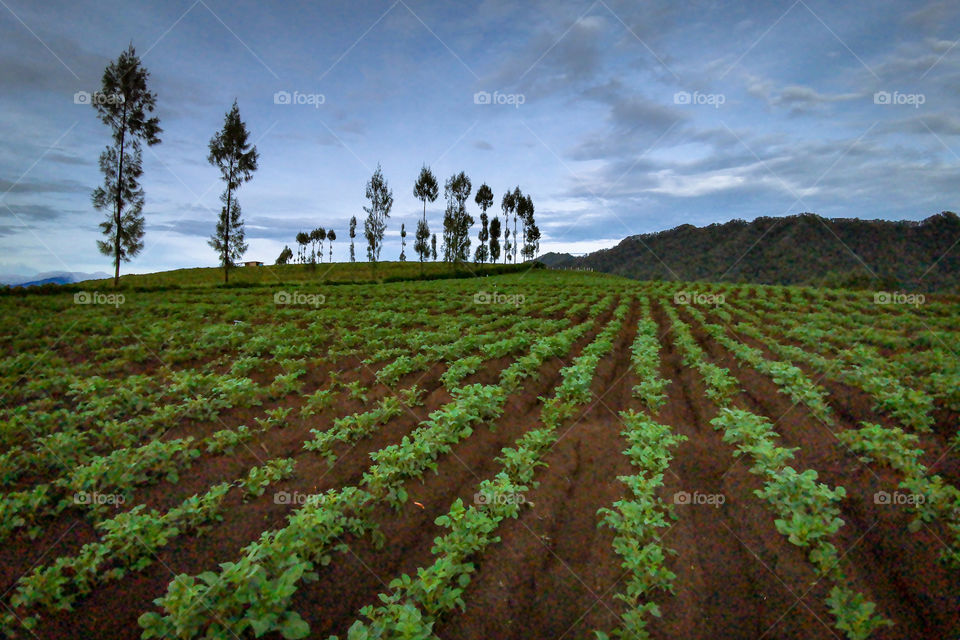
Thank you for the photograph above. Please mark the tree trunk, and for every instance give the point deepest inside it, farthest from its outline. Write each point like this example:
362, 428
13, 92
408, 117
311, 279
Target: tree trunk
118, 220
226, 230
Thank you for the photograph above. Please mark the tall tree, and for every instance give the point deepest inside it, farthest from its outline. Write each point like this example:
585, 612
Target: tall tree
484, 200
517, 198
317, 236
425, 189
508, 204
421, 242
456, 220
531, 233
353, 234
228, 238
533, 241
331, 236
285, 255
303, 239
495, 239
403, 242
484, 197
433, 246
122, 103
381, 201
237, 160
482, 237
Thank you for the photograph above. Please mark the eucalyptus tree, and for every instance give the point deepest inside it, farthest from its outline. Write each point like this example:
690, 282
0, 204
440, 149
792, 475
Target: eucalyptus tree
123, 103
331, 236
232, 153
381, 201
425, 189
353, 234
456, 220
508, 204
285, 255
303, 239
494, 239
483, 251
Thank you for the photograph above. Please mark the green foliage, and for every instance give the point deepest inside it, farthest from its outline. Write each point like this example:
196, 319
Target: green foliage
259, 478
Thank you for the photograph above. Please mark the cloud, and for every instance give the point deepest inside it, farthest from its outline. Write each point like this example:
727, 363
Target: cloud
800, 98
941, 124
43, 186
25, 214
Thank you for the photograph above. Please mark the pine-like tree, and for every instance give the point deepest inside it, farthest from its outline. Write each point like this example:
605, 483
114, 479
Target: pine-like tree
508, 204
495, 239
285, 255
456, 220
331, 236
482, 237
237, 160
353, 234
381, 201
122, 103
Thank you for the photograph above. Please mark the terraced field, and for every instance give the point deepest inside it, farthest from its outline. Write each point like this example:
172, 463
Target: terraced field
532, 455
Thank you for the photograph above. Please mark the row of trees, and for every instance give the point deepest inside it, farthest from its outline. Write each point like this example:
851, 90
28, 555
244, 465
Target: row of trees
457, 222
124, 103
515, 205
309, 239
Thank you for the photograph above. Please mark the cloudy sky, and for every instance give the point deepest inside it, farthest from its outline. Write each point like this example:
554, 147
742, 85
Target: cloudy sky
617, 117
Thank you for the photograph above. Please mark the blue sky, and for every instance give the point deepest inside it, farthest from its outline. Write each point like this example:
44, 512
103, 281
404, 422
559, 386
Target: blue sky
617, 117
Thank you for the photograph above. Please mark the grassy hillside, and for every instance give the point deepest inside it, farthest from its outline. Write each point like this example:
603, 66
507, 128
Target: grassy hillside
337, 272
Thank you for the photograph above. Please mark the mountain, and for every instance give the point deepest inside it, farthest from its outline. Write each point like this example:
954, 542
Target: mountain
50, 277
798, 249
553, 259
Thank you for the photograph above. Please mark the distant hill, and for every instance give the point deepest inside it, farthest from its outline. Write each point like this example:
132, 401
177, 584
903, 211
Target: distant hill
50, 277
553, 259
799, 249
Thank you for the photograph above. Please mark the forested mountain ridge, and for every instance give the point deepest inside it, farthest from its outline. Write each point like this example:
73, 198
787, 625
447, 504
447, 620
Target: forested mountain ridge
798, 249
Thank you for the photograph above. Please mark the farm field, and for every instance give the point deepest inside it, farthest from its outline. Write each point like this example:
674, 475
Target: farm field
530, 455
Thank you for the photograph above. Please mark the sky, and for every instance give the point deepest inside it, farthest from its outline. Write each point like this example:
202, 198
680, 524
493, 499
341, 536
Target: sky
617, 118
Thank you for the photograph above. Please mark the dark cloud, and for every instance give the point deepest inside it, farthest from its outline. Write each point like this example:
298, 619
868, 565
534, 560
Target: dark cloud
29, 186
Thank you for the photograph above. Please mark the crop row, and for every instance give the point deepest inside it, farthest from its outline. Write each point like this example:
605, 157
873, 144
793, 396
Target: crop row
255, 591
808, 516
414, 603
